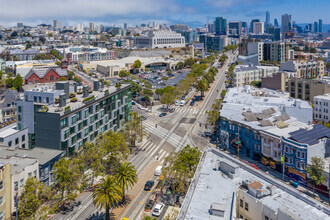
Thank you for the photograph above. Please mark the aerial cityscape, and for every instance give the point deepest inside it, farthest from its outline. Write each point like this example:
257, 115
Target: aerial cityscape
165, 110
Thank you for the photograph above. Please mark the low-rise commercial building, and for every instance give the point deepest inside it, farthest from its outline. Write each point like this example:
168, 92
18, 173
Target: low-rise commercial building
21, 169
46, 160
307, 89
276, 82
81, 54
64, 117
309, 69
160, 39
245, 74
224, 188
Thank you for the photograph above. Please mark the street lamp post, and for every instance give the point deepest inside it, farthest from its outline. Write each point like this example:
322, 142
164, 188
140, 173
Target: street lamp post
16, 200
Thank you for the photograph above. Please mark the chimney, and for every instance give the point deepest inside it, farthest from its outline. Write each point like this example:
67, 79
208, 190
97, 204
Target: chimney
85, 91
62, 100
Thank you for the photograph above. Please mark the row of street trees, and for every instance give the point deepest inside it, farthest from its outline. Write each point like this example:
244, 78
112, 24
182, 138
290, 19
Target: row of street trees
106, 156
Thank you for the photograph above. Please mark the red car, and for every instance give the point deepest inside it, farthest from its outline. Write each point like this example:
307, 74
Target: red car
254, 166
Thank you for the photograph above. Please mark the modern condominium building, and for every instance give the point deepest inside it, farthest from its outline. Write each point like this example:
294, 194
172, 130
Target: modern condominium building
64, 117
309, 69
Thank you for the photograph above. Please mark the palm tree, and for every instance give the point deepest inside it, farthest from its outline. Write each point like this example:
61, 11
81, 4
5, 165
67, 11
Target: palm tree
202, 86
126, 176
107, 194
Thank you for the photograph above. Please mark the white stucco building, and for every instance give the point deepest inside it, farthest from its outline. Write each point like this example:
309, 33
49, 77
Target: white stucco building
160, 39
245, 74
322, 107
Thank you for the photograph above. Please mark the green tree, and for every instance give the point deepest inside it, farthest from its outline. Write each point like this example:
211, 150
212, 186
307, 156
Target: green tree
149, 218
77, 79
256, 84
223, 93
167, 99
71, 75
189, 62
29, 201
62, 78
42, 56
1, 74
123, 74
315, 171
107, 194
202, 86
136, 88
114, 145
18, 82
180, 65
137, 64
164, 78
148, 92
56, 54
9, 82
28, 45
66, 178
134, 130
126, 176
180, 167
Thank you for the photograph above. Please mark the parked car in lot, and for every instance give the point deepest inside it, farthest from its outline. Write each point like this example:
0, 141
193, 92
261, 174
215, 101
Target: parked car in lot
149, 184
158, 209
162, 114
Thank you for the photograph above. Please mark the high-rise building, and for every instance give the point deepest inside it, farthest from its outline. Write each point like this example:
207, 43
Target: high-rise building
275, 31
267, 21
57, 24
258, 28
244, 28
125, 25
80, 27
91, 27
275, 22
320, 26
286, 23
220, 26
251, 25
235, 28
315, 27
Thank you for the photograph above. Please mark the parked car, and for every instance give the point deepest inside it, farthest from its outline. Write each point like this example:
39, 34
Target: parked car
158, 209
177, 102
192, 103
182, 103
183, 97
143, 118
133, 103
150, 204
172, 110
162, 114
149, 184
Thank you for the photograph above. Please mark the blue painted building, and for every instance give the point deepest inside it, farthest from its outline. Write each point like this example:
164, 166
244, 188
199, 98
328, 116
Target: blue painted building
235, 136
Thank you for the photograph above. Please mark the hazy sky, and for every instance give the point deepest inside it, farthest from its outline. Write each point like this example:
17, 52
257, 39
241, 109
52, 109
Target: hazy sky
194, 12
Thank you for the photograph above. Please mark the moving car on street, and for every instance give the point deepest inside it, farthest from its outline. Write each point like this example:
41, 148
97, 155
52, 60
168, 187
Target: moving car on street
162, 114
149, 184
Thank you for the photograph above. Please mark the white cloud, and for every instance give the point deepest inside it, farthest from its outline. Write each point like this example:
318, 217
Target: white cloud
39, 9
229, 3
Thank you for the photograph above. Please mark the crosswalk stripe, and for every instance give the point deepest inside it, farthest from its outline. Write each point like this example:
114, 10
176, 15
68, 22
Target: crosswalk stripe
161, 155
143, 144
154, 150
162, 161
146, 146
151, 147
161, 150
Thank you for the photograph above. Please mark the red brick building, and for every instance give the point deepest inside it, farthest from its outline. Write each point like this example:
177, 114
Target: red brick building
45, 75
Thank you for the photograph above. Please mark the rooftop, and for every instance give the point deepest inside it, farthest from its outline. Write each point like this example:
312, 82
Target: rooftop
43, 155
211, 185
18, 164
323, 97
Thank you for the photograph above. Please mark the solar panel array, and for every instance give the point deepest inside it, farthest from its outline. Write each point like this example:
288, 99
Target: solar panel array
312, 136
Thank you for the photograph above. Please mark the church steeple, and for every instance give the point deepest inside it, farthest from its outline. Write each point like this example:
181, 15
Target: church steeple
64, 63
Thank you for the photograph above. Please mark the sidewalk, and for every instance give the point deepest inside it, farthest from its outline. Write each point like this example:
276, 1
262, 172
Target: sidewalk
137, 189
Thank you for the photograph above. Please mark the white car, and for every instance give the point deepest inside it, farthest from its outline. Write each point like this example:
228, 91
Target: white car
158, 209
177, 103
182, 103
